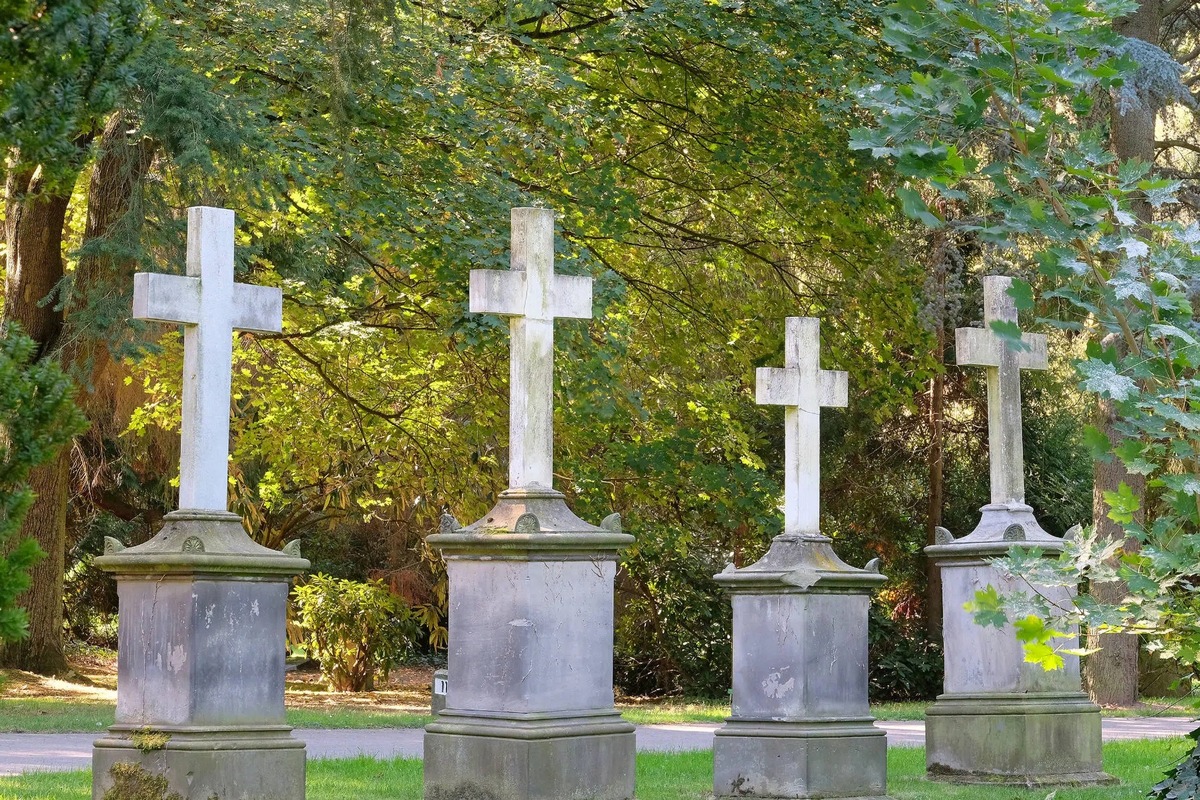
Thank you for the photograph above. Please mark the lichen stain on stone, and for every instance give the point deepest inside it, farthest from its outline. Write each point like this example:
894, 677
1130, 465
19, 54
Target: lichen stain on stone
741, 786
177, 659
254, 608
208, 615
774, 686
521, 623
468, 791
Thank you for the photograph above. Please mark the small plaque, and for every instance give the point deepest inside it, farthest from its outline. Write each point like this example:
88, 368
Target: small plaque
441, 684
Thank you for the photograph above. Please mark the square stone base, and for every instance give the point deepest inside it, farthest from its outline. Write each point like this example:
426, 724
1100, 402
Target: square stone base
494, 767
800, 761
243, 765
1015, 740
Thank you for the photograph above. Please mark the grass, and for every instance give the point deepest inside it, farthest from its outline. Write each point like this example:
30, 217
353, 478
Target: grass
667, 776
45, 715
42, 715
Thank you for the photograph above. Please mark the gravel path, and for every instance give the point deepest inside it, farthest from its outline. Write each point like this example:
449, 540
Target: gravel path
24, 752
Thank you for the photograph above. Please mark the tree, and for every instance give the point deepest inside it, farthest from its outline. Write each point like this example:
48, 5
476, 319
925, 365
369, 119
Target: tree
998, 109
37, 418
66, 63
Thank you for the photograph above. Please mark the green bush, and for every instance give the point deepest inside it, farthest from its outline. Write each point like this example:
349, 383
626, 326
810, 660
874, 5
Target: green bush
1183, 780
905, 664
356, 630
673, 621
37, 416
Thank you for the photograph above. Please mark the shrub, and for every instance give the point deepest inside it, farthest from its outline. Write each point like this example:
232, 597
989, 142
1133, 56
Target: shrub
673, 621
37, 417
905, 664
356, 630
1183, 780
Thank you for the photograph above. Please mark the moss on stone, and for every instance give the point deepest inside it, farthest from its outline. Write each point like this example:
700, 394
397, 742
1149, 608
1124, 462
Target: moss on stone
133, 782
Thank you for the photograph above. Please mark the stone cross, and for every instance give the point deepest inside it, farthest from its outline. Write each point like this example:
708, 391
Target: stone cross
983, 347
532, 297
802, 387
210, 306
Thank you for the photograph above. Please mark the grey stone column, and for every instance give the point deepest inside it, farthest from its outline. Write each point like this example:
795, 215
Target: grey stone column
200, 663
1001, 720
529, 709
801, 726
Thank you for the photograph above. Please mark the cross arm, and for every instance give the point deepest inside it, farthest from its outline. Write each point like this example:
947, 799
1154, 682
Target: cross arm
776, 387
257, 308
1035, 357
172, 299
495, 291
571, 296
982, 348
976, 347
835, 388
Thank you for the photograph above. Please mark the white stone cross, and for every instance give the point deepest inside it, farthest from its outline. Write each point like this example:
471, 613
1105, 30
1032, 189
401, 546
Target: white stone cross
983, 347
210, 306
532, 297
802, 387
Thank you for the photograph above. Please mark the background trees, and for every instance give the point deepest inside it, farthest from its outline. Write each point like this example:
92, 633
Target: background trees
697, 154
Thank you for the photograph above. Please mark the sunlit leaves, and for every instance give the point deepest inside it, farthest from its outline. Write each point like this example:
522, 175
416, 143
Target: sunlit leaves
1048, 185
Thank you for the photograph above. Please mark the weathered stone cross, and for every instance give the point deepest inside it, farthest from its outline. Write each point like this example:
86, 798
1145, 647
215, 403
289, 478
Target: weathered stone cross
210, 306
983, 347
801, 387
532, 297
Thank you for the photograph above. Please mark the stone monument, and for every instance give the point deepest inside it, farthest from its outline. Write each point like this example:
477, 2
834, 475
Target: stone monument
1001, 720
201, 644
801, 726
529, 706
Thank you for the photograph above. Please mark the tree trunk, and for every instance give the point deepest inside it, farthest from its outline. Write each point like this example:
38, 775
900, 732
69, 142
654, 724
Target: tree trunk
33, 228
42, 650
102, 280
1111, 674
937, 493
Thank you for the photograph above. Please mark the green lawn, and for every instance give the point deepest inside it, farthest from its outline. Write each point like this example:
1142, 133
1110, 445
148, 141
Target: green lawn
24, 715
661, 776
58, 716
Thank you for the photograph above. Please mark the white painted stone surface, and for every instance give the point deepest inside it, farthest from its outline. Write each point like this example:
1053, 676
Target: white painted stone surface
532, 297
982, 347
981, 659
802, 387
530, 636
210, 306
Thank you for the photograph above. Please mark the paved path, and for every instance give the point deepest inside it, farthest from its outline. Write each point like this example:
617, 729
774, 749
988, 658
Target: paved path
24, 752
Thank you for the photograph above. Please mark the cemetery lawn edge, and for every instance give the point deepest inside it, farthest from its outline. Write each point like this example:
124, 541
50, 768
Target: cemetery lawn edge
667, 776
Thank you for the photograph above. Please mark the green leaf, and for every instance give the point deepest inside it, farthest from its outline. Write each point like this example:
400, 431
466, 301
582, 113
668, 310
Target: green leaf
914, 207
988, 608
1102, 378
1122, 504
1022, 294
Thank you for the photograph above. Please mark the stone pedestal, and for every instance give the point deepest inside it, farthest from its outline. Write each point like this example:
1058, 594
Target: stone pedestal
529, 709
801, 726
1001, 720
200, 663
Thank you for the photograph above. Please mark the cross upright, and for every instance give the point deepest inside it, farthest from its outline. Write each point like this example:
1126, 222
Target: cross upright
983, 347
532, 297
210, 306
801, 387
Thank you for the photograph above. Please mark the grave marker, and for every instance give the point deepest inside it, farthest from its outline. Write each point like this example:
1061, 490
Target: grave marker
201, 642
